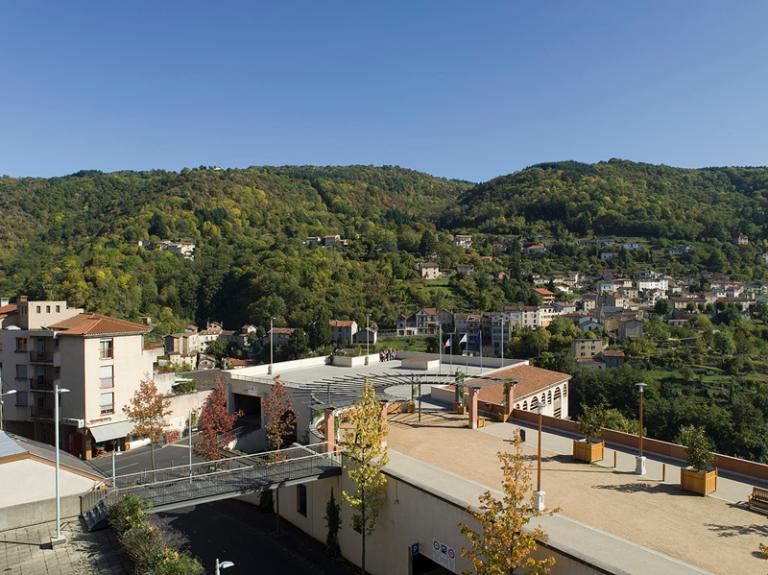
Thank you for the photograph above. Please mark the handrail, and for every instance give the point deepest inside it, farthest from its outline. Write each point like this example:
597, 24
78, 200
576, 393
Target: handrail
238, 458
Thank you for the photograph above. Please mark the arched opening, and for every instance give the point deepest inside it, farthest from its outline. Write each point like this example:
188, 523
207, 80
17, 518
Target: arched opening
558, 405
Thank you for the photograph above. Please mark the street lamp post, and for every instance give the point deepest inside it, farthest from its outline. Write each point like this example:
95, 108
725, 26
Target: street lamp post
367, 337
640, 458
2, 395
223, 565
58, 538
271, 342
539, 492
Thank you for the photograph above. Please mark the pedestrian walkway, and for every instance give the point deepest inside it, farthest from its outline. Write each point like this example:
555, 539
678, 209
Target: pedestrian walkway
27, 551
728, 490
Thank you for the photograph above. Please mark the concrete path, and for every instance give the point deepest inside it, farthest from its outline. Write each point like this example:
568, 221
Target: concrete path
27, 551
728, 490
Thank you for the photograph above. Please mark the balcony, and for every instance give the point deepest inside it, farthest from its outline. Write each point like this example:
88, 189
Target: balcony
41, 357
41, 384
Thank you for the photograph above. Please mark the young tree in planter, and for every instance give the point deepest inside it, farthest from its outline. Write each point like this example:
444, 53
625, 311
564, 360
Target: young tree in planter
365, 455
592, 421
148, 410
215, 424
281, 424
700, 456
502, 544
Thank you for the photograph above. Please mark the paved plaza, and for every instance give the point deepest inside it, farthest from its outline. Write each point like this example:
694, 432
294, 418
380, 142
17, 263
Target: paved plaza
715, 533
27, 551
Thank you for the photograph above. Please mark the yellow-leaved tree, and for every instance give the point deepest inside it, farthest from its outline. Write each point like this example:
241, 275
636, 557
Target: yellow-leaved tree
504, 542
365, 454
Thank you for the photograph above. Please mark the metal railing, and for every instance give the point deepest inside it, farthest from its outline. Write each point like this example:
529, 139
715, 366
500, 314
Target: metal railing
235, 475
41, 357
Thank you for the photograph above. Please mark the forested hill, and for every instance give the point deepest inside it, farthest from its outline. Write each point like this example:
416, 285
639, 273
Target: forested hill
619, 197
76, 237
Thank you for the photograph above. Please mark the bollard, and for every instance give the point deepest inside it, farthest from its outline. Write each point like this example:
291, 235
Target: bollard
614, 459
663, 472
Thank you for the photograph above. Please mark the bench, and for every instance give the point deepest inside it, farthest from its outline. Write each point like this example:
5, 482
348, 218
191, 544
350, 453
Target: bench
759, 499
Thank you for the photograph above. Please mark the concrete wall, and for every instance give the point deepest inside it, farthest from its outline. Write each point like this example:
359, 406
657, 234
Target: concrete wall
410, 515
25, 514
28, 480
181, 405
489, 362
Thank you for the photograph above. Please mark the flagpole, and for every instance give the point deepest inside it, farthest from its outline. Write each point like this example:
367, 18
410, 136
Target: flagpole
440, 345
502, 341
450, 338
481, 349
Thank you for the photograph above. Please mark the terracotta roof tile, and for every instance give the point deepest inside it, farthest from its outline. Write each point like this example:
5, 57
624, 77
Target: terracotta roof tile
340, 323
530, 380
97, 324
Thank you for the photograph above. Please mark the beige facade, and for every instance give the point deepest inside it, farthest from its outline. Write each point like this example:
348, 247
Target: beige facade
100, 360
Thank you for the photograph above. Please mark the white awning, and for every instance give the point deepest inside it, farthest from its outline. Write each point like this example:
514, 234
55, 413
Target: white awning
110, 431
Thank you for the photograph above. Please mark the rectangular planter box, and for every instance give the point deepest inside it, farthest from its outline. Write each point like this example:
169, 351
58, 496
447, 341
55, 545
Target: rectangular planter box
701, 482
589, 452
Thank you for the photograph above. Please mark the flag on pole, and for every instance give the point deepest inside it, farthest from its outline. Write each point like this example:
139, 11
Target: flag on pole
463, 339
447, 343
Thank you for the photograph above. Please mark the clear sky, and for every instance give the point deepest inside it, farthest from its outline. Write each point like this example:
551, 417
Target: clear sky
459, 89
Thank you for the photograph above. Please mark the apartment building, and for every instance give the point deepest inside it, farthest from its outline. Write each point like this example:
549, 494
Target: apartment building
101, 361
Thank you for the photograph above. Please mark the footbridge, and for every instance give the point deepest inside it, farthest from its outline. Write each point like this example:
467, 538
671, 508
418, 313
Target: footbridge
197, 483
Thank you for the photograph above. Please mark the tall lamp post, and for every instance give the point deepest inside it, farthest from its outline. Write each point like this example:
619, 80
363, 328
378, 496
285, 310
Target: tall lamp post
640, 458
367, 337
271, 342
2, 395
58, 538
539, 492
223, 565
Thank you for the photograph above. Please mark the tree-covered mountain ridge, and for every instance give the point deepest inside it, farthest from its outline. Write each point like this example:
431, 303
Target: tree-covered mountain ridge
619, 197
78, 237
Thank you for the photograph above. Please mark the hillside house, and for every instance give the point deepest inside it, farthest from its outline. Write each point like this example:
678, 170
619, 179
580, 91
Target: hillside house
462, 241
581, 348
429, 270
547, 297
343, 331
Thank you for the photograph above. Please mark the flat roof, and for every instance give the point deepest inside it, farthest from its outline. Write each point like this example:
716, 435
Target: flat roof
621, 521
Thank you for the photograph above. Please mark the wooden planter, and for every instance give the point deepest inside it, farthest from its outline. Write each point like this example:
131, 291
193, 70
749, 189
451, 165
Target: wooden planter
461, 409
588, 451
701, 482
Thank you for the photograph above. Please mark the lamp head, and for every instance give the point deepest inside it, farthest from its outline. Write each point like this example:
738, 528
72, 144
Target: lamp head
641, 386
226, 564
10, 392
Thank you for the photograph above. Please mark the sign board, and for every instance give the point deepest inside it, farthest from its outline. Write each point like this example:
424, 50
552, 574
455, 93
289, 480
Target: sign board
80, 423
444, 555
415, 549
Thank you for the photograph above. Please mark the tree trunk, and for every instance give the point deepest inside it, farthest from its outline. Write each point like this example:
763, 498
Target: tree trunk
277, 514
154, 467
362, 509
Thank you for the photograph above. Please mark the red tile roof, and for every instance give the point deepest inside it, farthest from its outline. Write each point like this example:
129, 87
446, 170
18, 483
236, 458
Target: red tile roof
97, 324
530, 380
340, 323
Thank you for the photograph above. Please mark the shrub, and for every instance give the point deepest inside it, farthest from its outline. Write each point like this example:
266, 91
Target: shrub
592, 421
185, 386
699, 446
145, 543
333, 522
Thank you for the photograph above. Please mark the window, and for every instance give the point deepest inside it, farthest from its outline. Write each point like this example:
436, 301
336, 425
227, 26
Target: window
107, 403
58, 309
301, 499
21, 371
105, 349
22, 399
47, 309
21, 344
38, 309
106, 377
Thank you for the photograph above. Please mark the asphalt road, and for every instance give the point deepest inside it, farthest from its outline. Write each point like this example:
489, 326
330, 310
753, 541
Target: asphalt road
140, 459
236, 531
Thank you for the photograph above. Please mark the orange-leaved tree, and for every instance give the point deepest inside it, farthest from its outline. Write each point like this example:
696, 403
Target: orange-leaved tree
148, 409
504, 541
280, 415
215, 424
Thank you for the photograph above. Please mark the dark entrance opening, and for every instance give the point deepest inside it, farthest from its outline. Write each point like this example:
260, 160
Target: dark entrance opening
423, 565
251, 408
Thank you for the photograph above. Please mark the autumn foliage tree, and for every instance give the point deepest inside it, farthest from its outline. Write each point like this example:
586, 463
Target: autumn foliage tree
504, 541
366, 454
148, 409
280, 415
215, 424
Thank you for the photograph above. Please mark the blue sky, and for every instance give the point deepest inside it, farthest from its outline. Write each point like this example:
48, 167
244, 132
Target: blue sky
458, 89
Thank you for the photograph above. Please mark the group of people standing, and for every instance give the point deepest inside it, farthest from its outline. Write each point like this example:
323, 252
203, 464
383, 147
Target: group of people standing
387, 355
